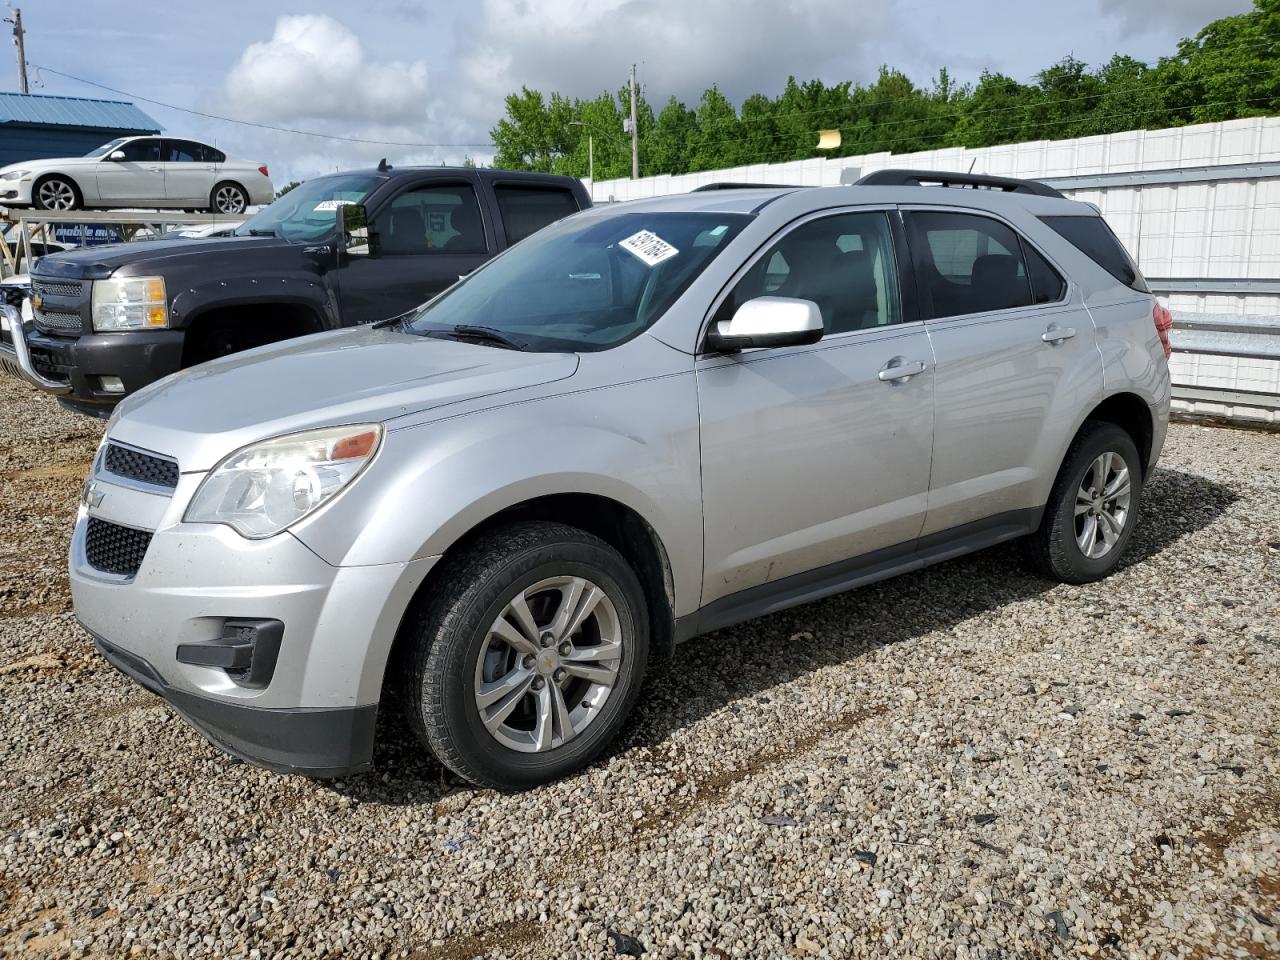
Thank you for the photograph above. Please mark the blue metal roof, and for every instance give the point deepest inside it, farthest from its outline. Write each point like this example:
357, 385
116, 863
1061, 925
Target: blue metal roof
43, 110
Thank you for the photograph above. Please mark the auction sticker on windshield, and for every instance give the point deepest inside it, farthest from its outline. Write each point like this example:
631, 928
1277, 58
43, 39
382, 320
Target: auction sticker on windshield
648, 247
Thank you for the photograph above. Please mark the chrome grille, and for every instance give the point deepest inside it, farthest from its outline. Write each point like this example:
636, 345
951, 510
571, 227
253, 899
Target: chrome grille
58, 288
114, 549
143, 467
57, 320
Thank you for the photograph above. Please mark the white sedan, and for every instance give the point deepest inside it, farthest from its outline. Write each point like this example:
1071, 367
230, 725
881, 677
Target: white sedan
139, 172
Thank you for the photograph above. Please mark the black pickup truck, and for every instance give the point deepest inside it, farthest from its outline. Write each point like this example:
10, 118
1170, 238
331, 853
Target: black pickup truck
339, 250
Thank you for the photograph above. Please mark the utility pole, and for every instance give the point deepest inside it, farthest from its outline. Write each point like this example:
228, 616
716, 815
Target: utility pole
635, 129
19, 42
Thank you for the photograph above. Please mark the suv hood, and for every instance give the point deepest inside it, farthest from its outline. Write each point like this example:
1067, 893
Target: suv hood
365, 375
96, 263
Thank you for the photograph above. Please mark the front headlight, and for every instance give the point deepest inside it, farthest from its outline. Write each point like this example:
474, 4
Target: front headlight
130, 303
14, 174
267, 487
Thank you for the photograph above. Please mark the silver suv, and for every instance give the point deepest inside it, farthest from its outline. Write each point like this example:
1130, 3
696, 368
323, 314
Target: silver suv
646, 422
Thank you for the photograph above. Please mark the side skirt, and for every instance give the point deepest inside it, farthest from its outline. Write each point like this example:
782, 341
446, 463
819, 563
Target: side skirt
856, 572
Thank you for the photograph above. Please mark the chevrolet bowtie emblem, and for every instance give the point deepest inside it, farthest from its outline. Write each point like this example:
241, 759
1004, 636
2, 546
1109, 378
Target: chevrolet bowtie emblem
93, 494
37, 301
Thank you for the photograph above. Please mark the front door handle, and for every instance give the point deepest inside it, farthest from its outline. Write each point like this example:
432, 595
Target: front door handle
1056, 334
898, 370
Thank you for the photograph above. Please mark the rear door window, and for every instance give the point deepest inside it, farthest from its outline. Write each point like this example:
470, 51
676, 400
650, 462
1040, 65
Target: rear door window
1047, 285
967, 263
526, 210
1092, 237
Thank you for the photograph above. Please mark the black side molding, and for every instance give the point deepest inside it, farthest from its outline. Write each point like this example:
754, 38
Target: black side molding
941, 178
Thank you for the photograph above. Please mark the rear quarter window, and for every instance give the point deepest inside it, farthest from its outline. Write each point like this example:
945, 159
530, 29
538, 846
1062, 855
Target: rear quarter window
1092, 237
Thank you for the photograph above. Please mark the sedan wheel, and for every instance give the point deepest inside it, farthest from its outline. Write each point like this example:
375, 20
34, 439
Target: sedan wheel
55, 193
229, 198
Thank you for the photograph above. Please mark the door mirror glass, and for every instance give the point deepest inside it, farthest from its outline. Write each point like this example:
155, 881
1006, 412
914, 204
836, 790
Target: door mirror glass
358, 239
768, 322
116, 155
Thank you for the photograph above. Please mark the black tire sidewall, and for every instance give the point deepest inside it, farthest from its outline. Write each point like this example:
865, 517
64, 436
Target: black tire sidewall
1101, 439
454, 654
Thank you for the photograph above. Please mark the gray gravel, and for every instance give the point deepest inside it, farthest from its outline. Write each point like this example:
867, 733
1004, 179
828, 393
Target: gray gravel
965, 762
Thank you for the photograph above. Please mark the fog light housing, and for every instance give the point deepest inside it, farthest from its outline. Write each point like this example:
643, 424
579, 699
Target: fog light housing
111, 385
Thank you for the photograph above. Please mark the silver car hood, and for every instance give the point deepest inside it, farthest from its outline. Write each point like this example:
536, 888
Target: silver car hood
201, 415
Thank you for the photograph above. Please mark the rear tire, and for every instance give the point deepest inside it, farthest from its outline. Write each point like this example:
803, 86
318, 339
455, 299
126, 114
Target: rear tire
511, 701
228, 198
1092, 509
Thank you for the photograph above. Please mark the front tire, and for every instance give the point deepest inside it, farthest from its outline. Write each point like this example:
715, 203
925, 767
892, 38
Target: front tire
55, 193
1092, 509
229, 198
528, 656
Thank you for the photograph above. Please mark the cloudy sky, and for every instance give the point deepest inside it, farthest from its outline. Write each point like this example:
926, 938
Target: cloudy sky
431, 76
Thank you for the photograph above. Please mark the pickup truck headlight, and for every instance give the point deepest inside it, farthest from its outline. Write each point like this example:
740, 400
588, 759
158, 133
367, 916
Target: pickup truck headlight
14, 174
130, 303
267, 487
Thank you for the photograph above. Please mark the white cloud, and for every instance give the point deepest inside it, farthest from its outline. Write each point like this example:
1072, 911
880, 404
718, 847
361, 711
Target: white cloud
314, 69
743, 46
1185, 17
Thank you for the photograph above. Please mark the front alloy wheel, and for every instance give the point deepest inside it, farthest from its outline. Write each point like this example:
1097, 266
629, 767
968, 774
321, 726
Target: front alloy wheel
55, 193
526, 654
548, 664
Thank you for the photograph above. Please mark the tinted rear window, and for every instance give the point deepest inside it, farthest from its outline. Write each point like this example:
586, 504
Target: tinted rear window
526, 210
1092, 237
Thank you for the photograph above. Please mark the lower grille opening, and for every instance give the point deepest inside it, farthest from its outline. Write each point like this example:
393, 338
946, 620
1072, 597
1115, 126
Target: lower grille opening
114, 549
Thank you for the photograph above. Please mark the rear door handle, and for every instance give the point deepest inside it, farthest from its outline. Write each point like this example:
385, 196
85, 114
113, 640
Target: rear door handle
1057, 334
897, 370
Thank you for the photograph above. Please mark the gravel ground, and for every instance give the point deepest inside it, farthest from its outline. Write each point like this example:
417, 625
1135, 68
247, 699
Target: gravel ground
965, 762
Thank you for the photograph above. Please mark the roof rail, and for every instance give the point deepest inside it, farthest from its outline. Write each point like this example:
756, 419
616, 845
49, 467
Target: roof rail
745, 186
920, 178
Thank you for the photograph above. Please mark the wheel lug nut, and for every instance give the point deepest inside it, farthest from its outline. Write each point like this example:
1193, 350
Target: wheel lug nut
546, 639
538, 683
527, 662
559, 675
566, 648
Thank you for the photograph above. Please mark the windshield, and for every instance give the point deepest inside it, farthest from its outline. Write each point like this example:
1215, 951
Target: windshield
585, 284
309, 212
106, 148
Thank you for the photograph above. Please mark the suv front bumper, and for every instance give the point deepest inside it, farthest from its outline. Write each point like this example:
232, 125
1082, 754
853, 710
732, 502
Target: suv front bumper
313, 712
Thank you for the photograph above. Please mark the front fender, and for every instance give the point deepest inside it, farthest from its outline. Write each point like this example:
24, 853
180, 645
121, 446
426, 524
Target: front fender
636, 444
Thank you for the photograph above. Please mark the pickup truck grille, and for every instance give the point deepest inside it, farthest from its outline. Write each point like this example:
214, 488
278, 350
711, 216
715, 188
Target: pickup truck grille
58, 288
143, 467
114, 549
57, 321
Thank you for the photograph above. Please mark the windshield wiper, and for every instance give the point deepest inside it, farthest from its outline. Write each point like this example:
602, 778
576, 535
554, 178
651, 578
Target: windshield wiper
391, 321
470, 331
260, 232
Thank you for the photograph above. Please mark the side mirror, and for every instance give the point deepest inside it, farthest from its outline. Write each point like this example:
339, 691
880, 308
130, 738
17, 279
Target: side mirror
359, 238
768, 322
116, 155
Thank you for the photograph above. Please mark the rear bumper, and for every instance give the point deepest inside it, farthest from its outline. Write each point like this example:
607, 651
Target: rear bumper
317, 742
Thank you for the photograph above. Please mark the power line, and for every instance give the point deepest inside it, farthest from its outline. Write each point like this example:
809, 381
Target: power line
250, 123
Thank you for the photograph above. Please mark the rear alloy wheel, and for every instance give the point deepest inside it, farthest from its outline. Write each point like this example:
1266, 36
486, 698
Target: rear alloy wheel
1093, 507
228, 198
56, 193
529, 653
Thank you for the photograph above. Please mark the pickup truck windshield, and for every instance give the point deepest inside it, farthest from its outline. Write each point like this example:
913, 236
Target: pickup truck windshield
309, 212
585, 284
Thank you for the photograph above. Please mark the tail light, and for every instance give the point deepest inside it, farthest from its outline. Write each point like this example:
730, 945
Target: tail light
263, 170
1164, 322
